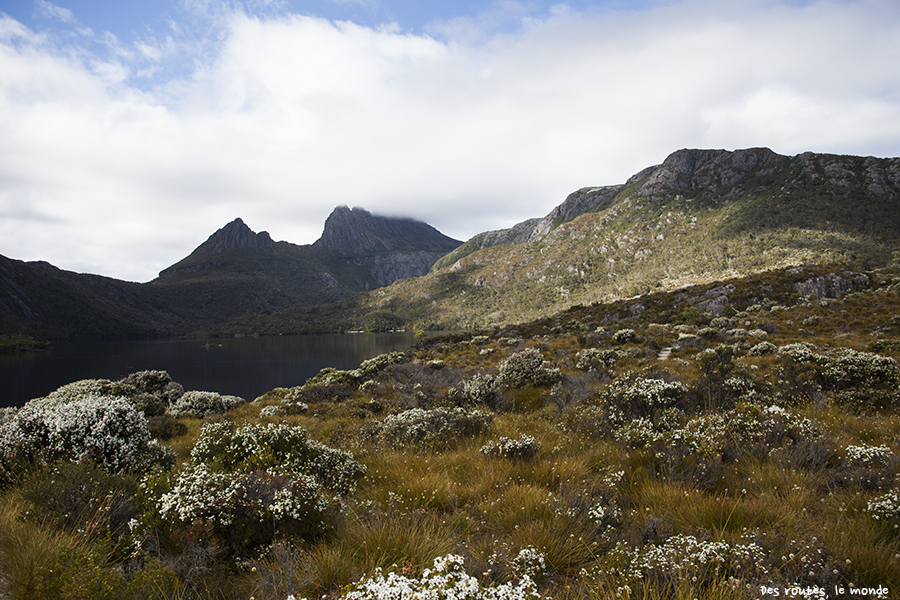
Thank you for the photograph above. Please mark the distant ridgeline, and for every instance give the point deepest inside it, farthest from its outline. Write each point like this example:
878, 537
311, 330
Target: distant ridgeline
235, 272
700, 216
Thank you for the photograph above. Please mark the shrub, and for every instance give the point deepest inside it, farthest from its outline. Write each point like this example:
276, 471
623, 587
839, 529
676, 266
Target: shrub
201, 404
722, 383
436, 428
367, 368
151, 392
524, 448
682, 558
860, 381
448, 580
527, 368
763, 349
155, 383
329, 377
869, 457
758, 432
246, 483
624, 336
83, 498
481, 389
886, 508
642, 394
594, 359
866, 467
106, 430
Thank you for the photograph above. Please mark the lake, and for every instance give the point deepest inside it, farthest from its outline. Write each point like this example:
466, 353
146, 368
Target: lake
246, 367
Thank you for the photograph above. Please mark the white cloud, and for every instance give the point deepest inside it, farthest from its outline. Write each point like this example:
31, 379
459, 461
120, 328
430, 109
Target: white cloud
52, 11
277, 119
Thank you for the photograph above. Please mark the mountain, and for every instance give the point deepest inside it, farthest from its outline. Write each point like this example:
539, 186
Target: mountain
235, 272
40, 300
700, 216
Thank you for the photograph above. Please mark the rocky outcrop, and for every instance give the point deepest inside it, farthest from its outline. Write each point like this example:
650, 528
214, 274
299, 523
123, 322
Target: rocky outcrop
711, 172
831, 285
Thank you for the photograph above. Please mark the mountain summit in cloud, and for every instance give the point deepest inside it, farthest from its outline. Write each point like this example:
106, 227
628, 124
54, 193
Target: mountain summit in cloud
357, 231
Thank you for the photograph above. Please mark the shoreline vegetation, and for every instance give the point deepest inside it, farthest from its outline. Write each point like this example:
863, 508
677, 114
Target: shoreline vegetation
734, 440
16, 344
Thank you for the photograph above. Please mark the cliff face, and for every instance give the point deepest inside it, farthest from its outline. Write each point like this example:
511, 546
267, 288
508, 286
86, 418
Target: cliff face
368, 251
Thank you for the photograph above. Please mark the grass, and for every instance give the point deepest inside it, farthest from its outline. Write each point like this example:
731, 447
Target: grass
27, 549
418, 503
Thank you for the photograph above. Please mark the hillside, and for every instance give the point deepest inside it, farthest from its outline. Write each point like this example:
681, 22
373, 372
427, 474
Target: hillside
235, 272
700, 216
720, 442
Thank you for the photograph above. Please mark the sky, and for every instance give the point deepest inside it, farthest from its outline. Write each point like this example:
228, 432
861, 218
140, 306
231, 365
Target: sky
131, 130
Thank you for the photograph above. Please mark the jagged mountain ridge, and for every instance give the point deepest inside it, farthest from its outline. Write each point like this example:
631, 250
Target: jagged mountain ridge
235, 272
699, 216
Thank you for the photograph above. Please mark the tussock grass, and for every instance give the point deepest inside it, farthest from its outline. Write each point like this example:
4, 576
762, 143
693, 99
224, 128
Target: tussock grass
27, 550
584, 493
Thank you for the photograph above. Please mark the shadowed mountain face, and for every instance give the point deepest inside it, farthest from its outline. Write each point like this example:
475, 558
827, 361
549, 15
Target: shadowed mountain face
235, 272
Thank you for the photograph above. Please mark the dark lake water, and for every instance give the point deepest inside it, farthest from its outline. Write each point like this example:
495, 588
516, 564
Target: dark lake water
246, 367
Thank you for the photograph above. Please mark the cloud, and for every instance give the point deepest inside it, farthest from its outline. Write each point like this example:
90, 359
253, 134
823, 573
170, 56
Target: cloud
277, 118
52, 11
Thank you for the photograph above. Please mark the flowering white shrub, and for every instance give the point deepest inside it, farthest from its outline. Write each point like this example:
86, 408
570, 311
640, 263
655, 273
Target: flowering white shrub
763, 349
529, 562
431, 428
150, 392
635, 395
448, 580
7, 414
683, 558
200, 404
247, 482
480, 389
594, 359
886, 508
625, 335
746, 429
527, 368
106, 430
330, 376
846, 368
524, 448
367, 368
869, 457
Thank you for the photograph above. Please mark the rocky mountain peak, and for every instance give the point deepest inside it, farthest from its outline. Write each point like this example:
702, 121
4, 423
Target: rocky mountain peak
236, 235
356, 231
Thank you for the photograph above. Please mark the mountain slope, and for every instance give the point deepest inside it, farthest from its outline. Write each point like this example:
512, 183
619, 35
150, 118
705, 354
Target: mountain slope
234, 272
40, 300
700, 216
